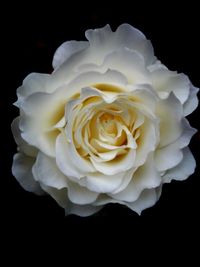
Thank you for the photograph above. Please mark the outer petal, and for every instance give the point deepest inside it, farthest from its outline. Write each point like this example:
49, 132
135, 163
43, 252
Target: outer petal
168, 157
192, 101
66, 50
22, 170
82, 210
183, 170
128, 62
165, 82
80, 195
33, 83
146, 200
126, 180
104, 199
170, 113
187, 134
42, 111
105, 41
23, 145
99, 36
61, 197
102, 42
132, 38
157, 66
46, 172
145, 177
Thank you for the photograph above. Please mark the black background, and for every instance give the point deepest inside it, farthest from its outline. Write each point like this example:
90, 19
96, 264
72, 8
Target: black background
32, 35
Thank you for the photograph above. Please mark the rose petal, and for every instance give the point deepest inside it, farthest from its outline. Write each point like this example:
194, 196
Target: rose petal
125, 36
41, 112
192, 101
80, 195
168, 156
187, 134
128, 62
165, 81
22, 170
132, 38
59, 195
69, 163
82, 210
116, 166
104, 41
128, 176
101, 183
66, 50
90, 79
145, 177
157, 65
147, 141
170, 112
99, 36
46, 171
146, 200
33, 134
183, 170
23, 145
104, 199
64, 161
33, 83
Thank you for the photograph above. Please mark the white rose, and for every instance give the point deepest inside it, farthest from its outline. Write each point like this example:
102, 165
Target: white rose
107, 126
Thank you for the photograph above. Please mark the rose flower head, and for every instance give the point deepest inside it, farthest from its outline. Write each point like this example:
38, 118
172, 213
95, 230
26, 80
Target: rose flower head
107, 126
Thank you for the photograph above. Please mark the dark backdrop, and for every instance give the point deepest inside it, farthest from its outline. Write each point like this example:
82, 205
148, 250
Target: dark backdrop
31, 37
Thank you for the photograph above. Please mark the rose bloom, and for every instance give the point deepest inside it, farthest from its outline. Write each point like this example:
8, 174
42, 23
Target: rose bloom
107, 126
